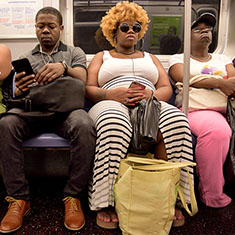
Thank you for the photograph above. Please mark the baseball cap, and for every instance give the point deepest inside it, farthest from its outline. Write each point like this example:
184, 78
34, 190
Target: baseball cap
205, 17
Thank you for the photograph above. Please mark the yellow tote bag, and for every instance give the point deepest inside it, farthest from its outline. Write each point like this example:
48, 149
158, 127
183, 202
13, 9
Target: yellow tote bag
145, 195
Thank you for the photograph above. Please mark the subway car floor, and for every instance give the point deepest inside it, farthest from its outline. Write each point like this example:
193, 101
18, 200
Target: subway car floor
47, 213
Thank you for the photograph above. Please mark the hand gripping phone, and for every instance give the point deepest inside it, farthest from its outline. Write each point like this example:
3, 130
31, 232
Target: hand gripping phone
136, 84
22, 65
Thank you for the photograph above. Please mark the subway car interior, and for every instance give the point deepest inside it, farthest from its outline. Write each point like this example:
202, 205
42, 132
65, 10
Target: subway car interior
47, 155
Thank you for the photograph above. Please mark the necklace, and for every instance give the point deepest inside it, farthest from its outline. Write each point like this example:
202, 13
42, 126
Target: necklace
125, 53
202, 58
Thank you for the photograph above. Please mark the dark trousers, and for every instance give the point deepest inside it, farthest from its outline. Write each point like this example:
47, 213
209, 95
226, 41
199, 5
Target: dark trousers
77, 127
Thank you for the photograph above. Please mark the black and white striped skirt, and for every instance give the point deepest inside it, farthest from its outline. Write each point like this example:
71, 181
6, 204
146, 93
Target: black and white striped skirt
113, 137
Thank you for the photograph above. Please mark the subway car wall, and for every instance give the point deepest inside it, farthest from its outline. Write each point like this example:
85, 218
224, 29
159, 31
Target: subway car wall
166, 29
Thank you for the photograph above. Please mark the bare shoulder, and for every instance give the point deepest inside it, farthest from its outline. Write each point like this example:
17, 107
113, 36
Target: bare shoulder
156, 61
99, 54
4, 49
154, 58
97, 60
98, 57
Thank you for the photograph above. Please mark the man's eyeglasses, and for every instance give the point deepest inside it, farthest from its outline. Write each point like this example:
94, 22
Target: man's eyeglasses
198, 30
125, 27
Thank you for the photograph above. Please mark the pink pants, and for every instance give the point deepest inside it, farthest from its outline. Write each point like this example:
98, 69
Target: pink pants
213, 137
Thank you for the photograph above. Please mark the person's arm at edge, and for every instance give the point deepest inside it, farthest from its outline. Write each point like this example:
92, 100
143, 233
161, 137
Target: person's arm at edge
94, 92
5, 61
78, 68
77, 72
176, 72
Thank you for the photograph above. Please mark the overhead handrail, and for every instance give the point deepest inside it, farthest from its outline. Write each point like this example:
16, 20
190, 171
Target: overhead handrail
187, 52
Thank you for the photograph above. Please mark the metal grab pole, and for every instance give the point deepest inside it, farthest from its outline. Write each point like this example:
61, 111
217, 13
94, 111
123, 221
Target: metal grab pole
187, 51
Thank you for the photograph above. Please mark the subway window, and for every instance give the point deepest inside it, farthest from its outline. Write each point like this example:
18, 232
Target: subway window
165, 33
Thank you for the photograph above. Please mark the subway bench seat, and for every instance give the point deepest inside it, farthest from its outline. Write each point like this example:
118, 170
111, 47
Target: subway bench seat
46, 140
47, 155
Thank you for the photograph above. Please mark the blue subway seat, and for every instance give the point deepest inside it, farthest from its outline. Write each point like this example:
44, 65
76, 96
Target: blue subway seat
46, 140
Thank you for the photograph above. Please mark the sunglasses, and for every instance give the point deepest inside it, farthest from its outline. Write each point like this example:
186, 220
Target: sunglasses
126, 27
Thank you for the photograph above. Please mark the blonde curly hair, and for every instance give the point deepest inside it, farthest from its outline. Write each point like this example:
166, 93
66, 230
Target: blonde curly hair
121, 12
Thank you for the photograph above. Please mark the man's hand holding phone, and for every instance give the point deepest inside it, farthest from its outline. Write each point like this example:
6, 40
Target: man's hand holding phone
25, 77
23, 83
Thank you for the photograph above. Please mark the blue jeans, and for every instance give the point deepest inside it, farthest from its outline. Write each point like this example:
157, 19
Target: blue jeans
77, 127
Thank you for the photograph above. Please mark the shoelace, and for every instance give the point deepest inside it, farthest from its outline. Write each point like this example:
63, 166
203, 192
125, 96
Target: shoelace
73, 203
13, 202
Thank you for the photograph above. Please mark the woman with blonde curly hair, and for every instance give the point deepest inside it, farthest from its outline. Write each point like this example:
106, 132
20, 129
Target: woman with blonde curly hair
110, 75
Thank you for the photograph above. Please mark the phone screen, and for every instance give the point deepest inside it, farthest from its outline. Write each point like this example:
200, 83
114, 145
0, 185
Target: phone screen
23, 65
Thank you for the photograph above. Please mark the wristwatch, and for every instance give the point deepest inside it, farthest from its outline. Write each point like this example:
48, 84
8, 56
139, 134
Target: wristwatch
63, 62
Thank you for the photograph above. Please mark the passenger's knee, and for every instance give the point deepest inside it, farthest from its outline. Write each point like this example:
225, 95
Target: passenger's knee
82, 124
8, 123
218, 134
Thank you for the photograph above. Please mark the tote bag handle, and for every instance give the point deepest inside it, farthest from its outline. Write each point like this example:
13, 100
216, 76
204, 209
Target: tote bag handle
154, 164
192, 198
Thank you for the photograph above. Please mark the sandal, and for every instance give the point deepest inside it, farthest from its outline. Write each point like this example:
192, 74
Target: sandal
109, 220
178, 219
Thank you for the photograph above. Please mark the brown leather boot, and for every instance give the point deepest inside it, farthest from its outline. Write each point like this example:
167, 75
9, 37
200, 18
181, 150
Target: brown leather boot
13, 219
74, 217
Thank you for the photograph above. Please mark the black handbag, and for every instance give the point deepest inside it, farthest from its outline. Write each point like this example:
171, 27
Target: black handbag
144, 119
63, 95
231, 122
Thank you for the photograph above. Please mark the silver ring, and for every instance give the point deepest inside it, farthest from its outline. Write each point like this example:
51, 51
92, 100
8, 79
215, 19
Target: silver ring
127, 100
33, 84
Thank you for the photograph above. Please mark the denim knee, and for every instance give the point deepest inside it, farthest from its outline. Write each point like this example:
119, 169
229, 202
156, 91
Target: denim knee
81, 125
9, 124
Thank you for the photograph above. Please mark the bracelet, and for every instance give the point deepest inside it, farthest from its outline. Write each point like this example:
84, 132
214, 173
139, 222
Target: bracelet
104, 94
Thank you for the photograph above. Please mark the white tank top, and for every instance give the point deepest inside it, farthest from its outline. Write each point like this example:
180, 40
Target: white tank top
141, 68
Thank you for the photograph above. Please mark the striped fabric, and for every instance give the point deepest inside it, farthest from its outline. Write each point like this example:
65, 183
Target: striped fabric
113, 137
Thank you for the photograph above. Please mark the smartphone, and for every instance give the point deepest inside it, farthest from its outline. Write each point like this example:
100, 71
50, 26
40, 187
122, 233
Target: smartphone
23, 65
136, 84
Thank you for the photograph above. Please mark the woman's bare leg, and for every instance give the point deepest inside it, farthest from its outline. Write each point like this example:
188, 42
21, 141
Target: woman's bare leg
160, 150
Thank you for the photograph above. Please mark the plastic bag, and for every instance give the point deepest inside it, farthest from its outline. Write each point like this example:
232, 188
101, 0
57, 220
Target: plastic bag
144, 119
231, 121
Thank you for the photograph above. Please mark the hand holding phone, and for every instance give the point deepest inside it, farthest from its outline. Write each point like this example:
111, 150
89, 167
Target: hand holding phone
136, 95
22, 65
136, 84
